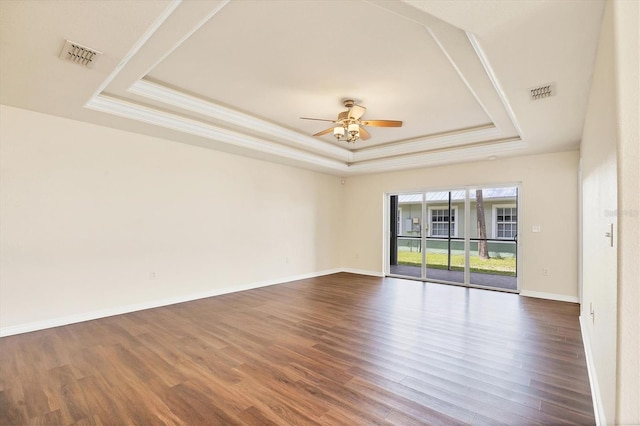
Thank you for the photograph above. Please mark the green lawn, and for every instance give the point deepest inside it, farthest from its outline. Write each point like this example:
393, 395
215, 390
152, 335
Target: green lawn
504, 266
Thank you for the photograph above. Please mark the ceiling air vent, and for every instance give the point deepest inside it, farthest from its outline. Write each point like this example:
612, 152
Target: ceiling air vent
542, 92
79, 54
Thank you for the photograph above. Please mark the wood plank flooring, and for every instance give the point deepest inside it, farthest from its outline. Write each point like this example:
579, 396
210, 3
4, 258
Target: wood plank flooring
340, 349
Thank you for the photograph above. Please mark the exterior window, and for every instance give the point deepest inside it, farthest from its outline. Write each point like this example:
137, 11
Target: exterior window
506, 221
439, 222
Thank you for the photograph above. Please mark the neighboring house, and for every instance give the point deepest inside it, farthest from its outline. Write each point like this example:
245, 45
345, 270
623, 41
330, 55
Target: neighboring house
501, 220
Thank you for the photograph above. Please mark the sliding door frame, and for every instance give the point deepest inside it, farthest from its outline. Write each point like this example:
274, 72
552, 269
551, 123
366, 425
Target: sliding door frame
388, 233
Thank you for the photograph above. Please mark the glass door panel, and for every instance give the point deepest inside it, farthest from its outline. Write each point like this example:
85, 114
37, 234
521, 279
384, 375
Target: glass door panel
444, 239
494, 233
407, 234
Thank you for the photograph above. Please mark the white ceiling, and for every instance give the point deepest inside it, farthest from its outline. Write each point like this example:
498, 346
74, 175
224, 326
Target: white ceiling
238, 75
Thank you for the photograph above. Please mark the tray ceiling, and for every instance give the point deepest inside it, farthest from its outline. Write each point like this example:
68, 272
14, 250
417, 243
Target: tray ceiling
238, 75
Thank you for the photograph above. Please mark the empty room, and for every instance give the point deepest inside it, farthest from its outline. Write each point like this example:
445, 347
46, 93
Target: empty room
307, 212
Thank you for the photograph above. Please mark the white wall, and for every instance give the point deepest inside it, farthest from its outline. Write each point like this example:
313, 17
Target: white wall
611, 188
549, 188
88, 213
626, 15
599, 177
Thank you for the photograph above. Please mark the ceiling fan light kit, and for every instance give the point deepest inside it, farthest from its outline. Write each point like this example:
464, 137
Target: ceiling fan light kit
349, 126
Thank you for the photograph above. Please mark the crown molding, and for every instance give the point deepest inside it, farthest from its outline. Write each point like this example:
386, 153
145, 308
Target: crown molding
428, 143
142, 113
494, 81
181, 100
168, 11
437, 157
178, 99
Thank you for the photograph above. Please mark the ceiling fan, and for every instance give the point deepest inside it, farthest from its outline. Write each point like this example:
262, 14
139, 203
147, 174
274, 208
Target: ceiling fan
350, 124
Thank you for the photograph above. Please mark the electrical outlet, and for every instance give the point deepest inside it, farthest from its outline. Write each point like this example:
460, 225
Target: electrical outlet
152, 275
545, 272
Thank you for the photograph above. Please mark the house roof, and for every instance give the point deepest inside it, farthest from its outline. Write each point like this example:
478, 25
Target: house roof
459, 195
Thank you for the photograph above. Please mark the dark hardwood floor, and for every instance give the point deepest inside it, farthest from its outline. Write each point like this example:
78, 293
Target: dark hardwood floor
339, 349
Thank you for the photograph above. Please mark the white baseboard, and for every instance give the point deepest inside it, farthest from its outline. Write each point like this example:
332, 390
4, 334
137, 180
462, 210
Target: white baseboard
363, 272
87, 316
598, 407
550, 296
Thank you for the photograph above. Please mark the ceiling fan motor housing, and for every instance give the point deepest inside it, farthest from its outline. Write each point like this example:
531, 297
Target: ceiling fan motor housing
349, 124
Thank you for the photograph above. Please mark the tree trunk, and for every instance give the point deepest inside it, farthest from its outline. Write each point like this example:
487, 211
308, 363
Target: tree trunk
483, 252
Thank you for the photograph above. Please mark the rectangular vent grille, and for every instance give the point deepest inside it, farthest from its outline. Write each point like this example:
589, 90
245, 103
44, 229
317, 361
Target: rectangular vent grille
542, 92
79, 54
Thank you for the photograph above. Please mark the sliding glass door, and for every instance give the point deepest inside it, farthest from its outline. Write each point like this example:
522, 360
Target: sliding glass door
461, 236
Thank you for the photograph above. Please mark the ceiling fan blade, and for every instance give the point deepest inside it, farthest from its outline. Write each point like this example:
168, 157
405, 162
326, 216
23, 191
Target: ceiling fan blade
318, 119
356, 111
364, 135
324, 132
382, 123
